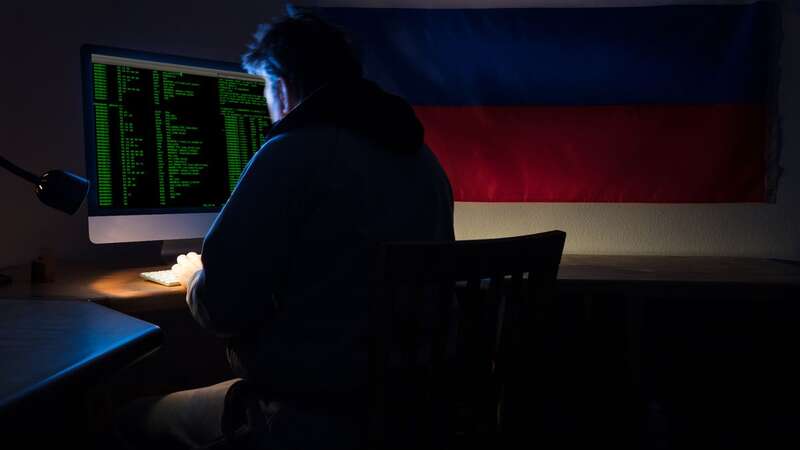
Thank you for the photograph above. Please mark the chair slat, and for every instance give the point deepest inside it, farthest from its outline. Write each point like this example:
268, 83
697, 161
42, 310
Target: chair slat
456, 314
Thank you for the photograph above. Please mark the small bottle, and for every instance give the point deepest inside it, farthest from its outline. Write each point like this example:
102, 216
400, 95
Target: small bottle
43, 267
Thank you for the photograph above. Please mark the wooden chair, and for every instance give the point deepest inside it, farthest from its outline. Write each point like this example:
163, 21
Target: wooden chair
452, 328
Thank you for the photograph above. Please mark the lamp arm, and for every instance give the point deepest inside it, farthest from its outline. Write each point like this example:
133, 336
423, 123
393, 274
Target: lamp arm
18, 171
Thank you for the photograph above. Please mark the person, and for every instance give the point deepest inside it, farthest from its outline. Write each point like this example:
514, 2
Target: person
283, 274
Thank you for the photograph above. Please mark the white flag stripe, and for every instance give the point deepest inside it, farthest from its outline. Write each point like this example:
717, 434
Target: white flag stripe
487, 4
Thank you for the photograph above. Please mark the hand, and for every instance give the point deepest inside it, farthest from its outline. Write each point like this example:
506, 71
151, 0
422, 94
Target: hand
186, 267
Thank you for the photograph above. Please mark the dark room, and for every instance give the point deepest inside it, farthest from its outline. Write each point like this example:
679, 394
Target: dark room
388, 224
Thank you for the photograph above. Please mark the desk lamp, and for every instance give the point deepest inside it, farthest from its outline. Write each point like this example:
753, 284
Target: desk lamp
58, 189
61, 190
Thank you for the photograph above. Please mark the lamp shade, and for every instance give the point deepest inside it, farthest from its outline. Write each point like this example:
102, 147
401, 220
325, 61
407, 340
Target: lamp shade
61, 190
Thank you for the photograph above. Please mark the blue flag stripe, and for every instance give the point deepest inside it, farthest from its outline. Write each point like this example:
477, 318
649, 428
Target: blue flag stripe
591, 56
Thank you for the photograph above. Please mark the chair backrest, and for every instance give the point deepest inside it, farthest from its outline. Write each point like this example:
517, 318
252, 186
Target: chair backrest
450, 335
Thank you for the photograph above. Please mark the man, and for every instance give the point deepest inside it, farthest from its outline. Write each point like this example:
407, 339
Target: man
284, 268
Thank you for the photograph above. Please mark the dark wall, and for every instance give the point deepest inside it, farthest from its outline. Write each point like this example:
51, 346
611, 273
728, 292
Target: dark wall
41, 111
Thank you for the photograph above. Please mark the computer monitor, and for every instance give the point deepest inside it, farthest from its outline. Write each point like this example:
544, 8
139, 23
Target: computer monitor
167, 138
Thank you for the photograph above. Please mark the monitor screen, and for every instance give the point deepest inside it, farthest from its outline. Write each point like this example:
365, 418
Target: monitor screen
166, 134
171, 135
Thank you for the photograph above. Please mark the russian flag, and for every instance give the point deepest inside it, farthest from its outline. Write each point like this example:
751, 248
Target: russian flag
614, 101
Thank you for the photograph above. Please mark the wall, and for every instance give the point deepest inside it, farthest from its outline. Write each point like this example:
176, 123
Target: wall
41, 127
41, 117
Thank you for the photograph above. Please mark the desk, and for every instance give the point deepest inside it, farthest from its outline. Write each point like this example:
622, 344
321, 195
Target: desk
55, 351
119, 288
638, 351
672, 277
190, 356
122, 288
676, 352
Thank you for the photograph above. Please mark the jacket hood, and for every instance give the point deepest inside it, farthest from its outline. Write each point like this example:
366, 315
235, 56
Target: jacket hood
361, 106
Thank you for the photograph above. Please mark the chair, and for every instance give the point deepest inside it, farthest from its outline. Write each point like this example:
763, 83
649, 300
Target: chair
452, 328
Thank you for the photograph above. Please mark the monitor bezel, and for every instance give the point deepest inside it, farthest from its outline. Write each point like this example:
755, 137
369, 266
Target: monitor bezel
90, 144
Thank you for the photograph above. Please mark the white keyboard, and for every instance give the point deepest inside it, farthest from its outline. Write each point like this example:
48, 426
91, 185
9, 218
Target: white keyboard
163, 277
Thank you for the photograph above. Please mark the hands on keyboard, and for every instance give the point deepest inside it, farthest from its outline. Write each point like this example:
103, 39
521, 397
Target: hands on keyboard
180, 274
163, 277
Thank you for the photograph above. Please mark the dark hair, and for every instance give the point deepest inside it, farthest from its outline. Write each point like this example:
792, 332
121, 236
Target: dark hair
304, 50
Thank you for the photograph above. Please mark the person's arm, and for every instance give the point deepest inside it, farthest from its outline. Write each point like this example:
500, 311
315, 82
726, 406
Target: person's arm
245, 252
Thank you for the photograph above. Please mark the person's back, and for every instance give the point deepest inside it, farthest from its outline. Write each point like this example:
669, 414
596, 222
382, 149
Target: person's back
285, 266
348, 186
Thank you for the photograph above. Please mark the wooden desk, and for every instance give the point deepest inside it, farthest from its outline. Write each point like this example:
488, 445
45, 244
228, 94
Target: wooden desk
675, 277
122, 288
678, 269
701, 348
190, 356
674, 352
53, 352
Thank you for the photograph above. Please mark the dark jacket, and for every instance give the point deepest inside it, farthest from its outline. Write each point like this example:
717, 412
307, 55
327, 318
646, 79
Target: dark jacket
286, 261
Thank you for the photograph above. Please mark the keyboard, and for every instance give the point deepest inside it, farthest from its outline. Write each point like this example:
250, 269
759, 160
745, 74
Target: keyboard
163, 277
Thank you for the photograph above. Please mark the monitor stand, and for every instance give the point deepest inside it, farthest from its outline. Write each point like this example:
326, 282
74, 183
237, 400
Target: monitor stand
171, 249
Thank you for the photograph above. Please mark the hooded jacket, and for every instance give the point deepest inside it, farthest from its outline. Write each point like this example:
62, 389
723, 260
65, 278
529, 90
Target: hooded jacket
286, 261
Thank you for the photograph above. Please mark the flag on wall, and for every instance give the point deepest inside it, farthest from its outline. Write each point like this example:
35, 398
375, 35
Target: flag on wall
642, 101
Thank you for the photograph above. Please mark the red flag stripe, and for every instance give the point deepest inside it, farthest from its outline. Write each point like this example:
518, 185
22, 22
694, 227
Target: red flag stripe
651, 153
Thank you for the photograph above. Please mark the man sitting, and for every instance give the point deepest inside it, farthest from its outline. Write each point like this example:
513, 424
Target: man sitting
283, 277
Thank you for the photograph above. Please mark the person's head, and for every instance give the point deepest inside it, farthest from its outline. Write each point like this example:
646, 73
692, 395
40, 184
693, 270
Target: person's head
296, 55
